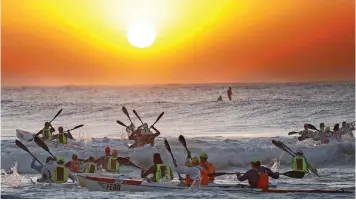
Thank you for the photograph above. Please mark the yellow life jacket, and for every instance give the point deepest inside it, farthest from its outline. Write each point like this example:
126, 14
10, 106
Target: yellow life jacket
60, 174
162, 173
62, 139
47, 134
300, 164
113, 165
91, 168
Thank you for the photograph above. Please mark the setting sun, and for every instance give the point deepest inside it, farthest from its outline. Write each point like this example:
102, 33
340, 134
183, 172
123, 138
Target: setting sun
141, 35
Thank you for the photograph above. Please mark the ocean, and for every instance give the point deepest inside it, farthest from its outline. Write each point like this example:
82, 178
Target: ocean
231, 132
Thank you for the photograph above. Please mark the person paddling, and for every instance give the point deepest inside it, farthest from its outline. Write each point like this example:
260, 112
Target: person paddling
59, 173
89, 166
195, 174
74, 164
220, 98
207, 166
43, 170
258, 175
46, 132
62, 137
299, 162
159, 170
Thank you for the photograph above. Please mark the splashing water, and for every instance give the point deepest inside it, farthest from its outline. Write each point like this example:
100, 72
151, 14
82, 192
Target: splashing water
11, 179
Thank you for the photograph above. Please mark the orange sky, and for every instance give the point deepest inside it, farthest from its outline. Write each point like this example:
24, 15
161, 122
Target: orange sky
84, 42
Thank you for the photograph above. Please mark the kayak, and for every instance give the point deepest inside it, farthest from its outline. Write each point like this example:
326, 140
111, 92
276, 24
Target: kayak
23, 135
35, 182
95, 183
81, 177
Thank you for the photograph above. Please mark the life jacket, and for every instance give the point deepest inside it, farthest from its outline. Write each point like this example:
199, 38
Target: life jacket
113, 165
60, 174
263, 180
210, 169
74, 166
47, 134
299, 164
166, 173
62, 139
91, 168
204, 179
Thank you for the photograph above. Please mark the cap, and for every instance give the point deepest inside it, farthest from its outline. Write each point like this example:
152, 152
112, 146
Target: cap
204, 155
107, 149
60, 159
195, 160
255, 160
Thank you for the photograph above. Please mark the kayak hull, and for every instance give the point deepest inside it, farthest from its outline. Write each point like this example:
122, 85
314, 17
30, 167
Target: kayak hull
95, 183
82, 181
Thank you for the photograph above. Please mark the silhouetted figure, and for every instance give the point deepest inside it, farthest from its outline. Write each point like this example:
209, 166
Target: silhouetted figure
229, 93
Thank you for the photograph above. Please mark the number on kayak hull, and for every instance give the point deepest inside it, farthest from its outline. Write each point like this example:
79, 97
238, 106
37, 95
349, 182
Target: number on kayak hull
113, 187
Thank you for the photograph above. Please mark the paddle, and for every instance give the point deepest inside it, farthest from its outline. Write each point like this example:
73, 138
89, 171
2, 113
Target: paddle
310, 126
70, 135
122, 159
59, 112
292, 133
23, 147
122, 124
126, 113
182, 141
158, 118
291, 174
134, 111
168, 147
40, 143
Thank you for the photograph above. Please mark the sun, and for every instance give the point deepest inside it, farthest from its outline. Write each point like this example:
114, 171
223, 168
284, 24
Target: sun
141, 35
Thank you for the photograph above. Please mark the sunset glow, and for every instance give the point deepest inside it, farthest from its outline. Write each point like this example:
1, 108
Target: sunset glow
85, 42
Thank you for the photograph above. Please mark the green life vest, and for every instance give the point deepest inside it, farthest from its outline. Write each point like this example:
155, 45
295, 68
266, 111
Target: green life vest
62, 139
163, 171
300, 164
47, 134
91, 168
113, 165
60, 174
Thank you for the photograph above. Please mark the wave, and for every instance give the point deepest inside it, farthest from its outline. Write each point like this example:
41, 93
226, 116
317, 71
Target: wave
223, 153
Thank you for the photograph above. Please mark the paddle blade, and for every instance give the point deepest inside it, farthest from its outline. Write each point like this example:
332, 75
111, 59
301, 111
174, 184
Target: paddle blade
276, 143
310, 126
79, 126
122, 124
59, 112
22, 146
168, 147
220, 173
158, 118
292, 133
294, 174
40, 143
139, 118
301, 138
126, 113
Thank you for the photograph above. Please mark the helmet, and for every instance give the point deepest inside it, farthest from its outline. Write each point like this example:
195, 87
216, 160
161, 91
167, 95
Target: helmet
204, 155
107, 149
74, 156
48, 159
60, 129
327, 129
60, 159
145, 125
115, 152
195, 160
255, 160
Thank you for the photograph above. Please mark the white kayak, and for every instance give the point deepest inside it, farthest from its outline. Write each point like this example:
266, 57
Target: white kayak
23, 135
121, 183
82, 181
97, 183
34, 181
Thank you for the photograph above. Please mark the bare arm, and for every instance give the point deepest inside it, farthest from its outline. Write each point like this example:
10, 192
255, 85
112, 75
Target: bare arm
151, 170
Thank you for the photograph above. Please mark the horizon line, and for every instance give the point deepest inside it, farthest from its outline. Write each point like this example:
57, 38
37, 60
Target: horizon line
173, 84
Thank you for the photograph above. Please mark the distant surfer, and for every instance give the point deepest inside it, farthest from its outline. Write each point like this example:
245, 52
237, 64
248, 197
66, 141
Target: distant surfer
220, 98
229, 93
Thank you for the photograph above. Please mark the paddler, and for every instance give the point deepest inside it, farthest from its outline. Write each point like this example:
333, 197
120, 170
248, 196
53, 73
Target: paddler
43, 170
89, 166
113, 164
46, 132
306, 133
207, 166
59, 173
336, 133
74, 164
103, 160
143, 135
299, 162
258, 175
220, 98
62, 137
346, 129
229, 93
159, 170
193, 171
